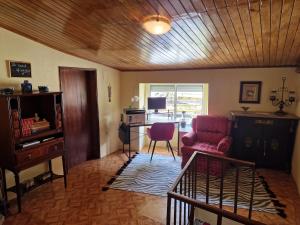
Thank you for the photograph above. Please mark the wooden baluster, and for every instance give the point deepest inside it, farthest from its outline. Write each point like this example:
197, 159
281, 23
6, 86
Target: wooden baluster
236, 192
169, 210
180, 203
219, 220
190, 188
195, 178
175, 212
252, 192
185, 193
207, 179
191, 220
222, 184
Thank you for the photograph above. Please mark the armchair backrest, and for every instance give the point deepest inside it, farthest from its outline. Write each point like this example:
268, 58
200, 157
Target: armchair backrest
211, 129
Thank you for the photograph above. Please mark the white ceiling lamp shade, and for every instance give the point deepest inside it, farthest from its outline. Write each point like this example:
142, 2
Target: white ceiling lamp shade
157, 24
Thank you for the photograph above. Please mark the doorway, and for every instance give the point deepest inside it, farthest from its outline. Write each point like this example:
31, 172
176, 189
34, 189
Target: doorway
81, 117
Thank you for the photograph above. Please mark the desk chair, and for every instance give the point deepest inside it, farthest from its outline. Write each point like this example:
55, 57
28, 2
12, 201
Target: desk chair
161, 132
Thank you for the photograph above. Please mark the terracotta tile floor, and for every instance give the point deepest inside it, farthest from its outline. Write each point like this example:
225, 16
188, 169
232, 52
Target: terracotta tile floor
84, 203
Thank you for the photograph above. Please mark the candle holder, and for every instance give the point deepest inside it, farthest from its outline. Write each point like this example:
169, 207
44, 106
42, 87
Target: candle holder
278, 98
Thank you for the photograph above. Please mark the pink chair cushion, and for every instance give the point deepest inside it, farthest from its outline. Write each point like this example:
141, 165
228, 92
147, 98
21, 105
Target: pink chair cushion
161, 131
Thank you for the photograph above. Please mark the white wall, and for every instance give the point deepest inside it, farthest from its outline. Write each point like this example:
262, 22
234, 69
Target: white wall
224, 87
45, 62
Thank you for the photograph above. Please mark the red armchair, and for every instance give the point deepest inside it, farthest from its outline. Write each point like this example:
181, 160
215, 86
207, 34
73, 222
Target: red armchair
211, 135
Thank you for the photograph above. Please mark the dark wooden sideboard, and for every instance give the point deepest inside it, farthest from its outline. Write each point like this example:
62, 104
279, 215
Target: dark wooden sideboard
264, 138
22, 146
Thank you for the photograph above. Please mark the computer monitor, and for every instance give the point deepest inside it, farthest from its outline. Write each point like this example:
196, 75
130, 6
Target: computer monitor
157, 103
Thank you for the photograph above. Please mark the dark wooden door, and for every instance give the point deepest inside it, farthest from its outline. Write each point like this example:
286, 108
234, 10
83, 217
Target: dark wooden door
81, 123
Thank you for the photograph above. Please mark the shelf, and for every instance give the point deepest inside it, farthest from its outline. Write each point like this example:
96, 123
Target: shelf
39, 135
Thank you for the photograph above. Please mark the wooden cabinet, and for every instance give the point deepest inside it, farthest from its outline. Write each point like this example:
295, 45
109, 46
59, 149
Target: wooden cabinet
264, 138
31, 133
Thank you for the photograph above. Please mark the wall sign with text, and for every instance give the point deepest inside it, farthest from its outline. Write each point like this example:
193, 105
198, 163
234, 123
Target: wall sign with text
19, 69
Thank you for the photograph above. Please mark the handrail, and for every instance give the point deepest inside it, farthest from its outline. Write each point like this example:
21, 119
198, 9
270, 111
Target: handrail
196, 154
187, 194
215, 210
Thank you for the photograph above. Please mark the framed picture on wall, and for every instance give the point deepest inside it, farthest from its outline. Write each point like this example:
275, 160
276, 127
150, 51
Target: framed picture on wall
250, 92
18, 69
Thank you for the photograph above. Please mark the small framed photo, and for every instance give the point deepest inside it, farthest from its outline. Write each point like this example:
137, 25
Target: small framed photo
250, 92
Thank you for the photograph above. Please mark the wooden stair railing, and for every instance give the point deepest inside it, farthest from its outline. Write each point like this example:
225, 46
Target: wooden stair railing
182, 199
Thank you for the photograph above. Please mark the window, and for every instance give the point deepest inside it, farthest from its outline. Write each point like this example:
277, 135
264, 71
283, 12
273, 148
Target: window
188, 98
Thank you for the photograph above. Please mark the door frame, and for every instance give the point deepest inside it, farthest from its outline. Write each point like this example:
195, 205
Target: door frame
92, 88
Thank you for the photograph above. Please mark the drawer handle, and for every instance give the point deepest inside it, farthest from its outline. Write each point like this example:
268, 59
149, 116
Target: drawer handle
55, 147
29, 156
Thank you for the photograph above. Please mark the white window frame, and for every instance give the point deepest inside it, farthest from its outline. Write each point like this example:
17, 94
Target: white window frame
175, 93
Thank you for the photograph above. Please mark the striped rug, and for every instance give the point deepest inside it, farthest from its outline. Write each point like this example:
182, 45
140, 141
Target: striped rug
156, 178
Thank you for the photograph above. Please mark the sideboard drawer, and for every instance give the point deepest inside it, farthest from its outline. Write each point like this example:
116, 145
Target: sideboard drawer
42, 150
28, 155
55, 148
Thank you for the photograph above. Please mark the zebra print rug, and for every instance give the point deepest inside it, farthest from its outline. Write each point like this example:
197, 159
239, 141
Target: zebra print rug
156, 178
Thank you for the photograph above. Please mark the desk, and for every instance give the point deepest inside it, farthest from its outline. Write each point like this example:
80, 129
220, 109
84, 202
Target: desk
149, 123
183, 130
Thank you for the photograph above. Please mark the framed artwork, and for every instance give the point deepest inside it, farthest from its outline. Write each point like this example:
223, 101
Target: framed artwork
19, 69
250, 92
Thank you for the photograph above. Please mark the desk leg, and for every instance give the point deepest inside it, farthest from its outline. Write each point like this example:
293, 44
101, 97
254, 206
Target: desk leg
64, 170
50, 170
4, 184
178, 137
4, 191
17, 181
129, 145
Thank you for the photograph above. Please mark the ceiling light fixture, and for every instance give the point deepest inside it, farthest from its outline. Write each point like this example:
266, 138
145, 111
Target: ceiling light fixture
157, 24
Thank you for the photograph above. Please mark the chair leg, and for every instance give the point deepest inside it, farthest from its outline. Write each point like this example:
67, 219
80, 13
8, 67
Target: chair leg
168, 146
153, 150
171, 150
149, 146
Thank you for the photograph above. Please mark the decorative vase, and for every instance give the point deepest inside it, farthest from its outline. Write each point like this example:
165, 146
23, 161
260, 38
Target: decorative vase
183, 122
26, 87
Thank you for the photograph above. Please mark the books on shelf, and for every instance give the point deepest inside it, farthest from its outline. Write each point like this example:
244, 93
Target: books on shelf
16, 123
30, 126
40, 126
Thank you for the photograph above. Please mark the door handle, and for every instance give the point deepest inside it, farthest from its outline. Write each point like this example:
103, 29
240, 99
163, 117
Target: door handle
265, 148
258, 142
29, 157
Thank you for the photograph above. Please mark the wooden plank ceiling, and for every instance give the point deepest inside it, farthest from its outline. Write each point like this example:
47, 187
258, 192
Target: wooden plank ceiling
204, 33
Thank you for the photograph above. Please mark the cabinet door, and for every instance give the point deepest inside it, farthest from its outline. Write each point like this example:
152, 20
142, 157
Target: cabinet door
276, 144
247, 139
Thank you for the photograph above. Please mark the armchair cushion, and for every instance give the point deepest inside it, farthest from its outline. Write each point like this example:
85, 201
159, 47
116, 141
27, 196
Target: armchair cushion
211, 129
215, 166
210, 135
189, 138
224, 144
